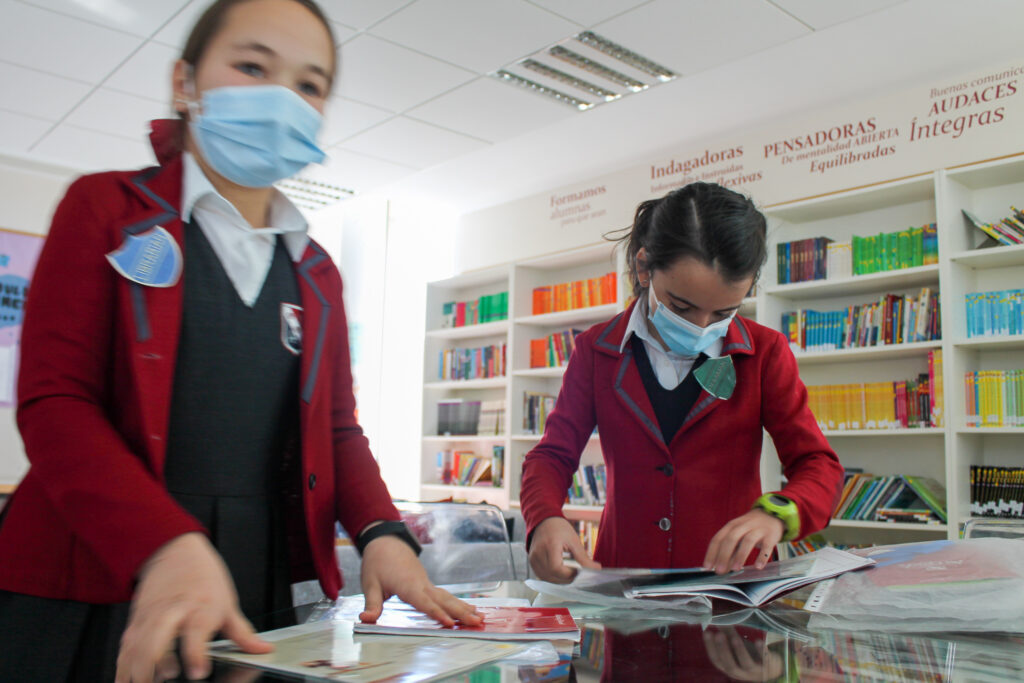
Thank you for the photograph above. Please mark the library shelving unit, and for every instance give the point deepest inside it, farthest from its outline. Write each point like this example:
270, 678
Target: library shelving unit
947, 452
944, 453
519, 279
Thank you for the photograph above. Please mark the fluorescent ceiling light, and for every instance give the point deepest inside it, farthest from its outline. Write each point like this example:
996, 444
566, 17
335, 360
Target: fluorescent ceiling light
588, 64
625, 55
570, 80
562, 97
313, 194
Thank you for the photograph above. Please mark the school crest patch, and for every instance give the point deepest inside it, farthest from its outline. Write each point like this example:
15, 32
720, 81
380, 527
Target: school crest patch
291, 328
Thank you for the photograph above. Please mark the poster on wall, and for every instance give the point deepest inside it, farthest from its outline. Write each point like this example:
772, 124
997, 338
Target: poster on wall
18, 254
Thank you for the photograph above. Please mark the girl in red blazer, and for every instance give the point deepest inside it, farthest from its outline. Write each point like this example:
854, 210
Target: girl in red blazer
680, 389
185, 395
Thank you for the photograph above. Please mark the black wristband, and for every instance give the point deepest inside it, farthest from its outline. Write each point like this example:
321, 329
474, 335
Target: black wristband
387, 529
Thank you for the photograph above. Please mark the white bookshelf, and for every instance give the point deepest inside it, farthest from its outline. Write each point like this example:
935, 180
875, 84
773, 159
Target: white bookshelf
519, 279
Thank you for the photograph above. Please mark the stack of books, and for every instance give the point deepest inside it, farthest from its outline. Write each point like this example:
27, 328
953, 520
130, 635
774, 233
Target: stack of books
997, 491
995, 313
553, 350
456, 416
536, 408
892, 498
911, 403
486, 309
1006, 231
994, 398
566, 296
475, 363
892, 319
819, 258
464, 468
588, 486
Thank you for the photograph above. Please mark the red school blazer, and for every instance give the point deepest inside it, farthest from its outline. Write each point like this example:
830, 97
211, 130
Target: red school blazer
665, 502
94, 391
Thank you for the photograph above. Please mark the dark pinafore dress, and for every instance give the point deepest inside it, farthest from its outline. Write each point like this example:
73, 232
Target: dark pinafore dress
671, 406
232, 448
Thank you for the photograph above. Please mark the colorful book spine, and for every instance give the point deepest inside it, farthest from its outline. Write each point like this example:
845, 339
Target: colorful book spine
994, 398
565, 296
486, 309
473, 363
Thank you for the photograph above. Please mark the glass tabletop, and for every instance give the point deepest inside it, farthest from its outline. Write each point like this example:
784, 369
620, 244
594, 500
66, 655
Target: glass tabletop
773, 643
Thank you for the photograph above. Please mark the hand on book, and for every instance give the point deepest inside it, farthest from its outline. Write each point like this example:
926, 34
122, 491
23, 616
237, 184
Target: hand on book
390, 567
551, 538
730, 547
185, 592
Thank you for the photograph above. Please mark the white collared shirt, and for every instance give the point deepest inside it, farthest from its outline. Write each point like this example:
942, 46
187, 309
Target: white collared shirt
245, 252
670, 368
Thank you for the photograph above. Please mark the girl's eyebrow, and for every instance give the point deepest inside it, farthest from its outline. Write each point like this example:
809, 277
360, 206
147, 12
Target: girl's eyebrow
693, 305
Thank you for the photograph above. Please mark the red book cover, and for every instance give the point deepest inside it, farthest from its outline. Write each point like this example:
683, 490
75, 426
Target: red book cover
499, 623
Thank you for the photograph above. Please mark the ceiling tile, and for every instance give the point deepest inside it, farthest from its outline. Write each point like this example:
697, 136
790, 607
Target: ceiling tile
18, 132
176, 31
357, 171
588, 12
34, 93
342, 33
379, 73
138, 17
821, 13
346, 118
147, 73
490, 110
481, 36
689, 36
412, 143
39, 39
360, 14
92, 151
116, 113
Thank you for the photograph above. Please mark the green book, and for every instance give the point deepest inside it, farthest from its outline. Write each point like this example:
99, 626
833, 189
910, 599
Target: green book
931, 492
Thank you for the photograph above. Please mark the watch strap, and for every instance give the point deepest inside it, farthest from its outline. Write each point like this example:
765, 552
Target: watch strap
388, 528
786, 512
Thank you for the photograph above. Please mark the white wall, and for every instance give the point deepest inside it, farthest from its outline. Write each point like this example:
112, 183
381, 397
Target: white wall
29, 193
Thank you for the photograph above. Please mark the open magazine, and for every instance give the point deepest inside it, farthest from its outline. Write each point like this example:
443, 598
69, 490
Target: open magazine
328, 650
499, 623
754, 587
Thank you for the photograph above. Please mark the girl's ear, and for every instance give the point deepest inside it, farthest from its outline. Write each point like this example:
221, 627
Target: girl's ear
179, 86
642, 274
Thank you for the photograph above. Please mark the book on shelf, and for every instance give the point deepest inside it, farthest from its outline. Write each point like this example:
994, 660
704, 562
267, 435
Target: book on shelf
458, 467
892, 319
463, 417
499, 623
553, 350
819, 258
587, 530
536, 408
996, 313
588, 486
498, 465
565, 296
997, 491
320, 650
904, 404
754, 587
472, 363
814, 542
994, 398
486, 309
1007, 231
891, 498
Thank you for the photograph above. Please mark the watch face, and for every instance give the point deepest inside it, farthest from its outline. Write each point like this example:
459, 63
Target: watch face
779, 500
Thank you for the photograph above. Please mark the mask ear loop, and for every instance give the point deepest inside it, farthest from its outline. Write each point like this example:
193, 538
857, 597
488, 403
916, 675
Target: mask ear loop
191, 92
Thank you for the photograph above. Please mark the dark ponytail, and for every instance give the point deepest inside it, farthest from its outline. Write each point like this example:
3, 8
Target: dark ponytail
705, 221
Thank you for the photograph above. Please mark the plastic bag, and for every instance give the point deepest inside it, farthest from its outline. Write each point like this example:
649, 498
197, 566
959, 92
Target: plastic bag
968, 585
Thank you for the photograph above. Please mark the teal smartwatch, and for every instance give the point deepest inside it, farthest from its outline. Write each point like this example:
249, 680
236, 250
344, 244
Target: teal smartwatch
784, 509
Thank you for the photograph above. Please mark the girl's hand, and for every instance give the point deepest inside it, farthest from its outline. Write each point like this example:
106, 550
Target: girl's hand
390, 567
733, 543
551, 538
186, 592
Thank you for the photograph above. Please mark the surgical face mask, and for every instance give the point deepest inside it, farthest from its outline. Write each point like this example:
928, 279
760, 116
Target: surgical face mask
682, 336
255, 135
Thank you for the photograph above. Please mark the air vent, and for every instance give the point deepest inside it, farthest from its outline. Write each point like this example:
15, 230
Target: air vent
313, 194
584, 71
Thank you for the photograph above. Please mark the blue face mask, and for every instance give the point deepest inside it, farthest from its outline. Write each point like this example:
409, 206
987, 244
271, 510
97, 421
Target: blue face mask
255, 135
682, 336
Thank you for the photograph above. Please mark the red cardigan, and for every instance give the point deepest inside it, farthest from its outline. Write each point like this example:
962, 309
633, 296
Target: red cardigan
97, 369
715, 456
